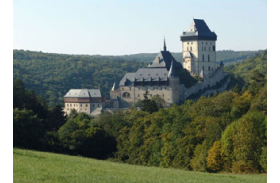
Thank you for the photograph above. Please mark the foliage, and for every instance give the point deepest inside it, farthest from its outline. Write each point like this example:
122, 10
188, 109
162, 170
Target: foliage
80, 136
33, 166
52, 75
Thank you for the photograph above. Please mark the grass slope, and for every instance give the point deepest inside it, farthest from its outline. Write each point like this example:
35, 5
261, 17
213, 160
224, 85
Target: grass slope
33, 166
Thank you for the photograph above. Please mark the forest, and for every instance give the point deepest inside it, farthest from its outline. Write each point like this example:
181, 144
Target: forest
226, 132
52, 75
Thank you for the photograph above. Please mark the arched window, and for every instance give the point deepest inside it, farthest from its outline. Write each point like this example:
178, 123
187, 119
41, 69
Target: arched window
125, 95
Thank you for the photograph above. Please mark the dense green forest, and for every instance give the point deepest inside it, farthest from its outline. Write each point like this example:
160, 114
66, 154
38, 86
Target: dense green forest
223, 133
52, 75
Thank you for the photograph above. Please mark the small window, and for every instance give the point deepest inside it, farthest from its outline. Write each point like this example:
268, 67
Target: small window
208, 58
86, 105
187, 48
80, 105
201, 42
92, 105
126, 95
190, 48
209, 68
138, 95
213, 48
203, 68
202, 58
98, 105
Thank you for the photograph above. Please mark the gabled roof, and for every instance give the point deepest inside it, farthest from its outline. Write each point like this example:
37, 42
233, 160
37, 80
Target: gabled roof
164, 59
83, 93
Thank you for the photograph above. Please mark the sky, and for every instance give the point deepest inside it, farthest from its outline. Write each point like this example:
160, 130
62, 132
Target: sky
128, 27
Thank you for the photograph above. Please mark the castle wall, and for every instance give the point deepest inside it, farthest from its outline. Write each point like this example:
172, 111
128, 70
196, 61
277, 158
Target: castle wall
216, 76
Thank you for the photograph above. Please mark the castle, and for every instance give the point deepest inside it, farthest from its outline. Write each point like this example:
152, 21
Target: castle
161, 78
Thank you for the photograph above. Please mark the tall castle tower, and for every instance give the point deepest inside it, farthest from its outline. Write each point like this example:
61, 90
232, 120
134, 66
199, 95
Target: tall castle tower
199, 49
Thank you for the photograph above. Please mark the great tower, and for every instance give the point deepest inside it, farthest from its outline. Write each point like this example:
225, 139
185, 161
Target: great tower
199, 49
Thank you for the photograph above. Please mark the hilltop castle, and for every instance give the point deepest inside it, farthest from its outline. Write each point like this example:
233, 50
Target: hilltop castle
160, 77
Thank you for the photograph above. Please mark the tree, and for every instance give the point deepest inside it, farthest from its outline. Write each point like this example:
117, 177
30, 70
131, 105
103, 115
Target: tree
214, 158
28, 131
149, 105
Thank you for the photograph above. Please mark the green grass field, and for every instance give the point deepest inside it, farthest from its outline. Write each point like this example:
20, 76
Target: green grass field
32, 166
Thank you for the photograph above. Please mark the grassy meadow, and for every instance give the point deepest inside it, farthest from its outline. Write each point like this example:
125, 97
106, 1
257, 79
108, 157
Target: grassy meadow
34, 166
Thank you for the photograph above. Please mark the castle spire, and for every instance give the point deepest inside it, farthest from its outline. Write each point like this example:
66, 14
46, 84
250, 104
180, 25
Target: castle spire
164, 45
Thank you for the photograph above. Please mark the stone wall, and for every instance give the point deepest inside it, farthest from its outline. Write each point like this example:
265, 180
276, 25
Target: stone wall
208, 82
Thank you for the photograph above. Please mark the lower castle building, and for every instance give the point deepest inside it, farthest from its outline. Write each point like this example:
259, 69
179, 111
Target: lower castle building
159, 78
89, 101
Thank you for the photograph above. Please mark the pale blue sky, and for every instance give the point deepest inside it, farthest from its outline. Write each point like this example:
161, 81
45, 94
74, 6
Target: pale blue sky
127, 27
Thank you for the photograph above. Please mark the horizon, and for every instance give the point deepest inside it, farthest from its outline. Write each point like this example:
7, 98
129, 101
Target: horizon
125, 28
126, 54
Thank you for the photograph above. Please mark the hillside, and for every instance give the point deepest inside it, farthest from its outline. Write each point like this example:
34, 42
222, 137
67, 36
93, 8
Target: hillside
227, 56
52, 75
34, 166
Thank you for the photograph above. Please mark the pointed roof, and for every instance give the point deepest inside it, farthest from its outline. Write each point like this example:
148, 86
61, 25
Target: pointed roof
221, 63
172, 71
164, 45
114, 87
198, 30
201, 73
164, 59
189, 54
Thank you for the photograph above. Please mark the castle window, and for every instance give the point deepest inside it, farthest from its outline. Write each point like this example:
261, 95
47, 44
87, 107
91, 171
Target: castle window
162, 95
208, 58
187, 48
70, 105
138, 95
209, 68
213, 48
203, 68
98, 105
67, 105
92, 105
206, 42
122, 88
86, 105
80, 105
126, 95
202, 58
191, 48
201, 42
209, 49
187, 42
